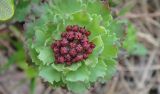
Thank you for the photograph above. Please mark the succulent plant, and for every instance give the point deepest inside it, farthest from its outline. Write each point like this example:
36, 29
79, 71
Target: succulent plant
71, 45
6, 9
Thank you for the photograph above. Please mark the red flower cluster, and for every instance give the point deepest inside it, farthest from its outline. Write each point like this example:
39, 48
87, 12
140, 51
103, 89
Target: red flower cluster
73, 47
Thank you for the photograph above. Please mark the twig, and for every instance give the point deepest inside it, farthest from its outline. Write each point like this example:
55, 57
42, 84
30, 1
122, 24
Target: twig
148, 38
17, 33
7, 45
153, 22
113, 86
136, 68
141, 15
47, 91
124, 82
4, 88
146, 69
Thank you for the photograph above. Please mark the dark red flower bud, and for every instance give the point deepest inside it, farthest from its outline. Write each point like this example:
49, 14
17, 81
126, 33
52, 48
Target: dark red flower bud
79, 48
75, 28
63, 34
64, 42
85, 56
72, 45
55, 49
78, 35
85, 39
89, 51
86, 45
53, 45
68, 28
68, 58
72, 52
87, 33
70, 35
92, 45
64, 50
82, 30
57, 54
61, 59
68, 63
79, 57
57, 43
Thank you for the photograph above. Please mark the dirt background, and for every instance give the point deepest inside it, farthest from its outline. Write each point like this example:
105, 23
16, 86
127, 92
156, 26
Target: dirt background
135, 74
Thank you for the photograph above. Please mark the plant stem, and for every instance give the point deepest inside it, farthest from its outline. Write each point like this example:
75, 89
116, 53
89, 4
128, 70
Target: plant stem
32, 85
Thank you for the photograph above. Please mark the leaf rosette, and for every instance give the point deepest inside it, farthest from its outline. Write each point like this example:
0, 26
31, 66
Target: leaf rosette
6, 9
55, 16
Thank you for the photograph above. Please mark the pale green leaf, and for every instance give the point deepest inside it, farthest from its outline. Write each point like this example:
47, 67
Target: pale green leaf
33, 54
81, 18
92, 60
50, 74
97, 7
6, 9
31, 72
73, 67
64, 7
40, 38
119, 30
60, 67
98, 71
111, 68
110, 46
94, 26
139, 49
46, 55
22, 9
81, 74
131, 43
99, 46
77, 87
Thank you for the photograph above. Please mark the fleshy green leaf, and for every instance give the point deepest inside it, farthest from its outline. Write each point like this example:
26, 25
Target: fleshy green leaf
50, 74
33, 54
97, 7
60, 67
139, 49
119, 30
22, 9
64, 7
73, 67
78, 87
31, 72
94, 27
111, 68
46, 55
92, 60
98, 71
81, 74
131, 43
57, 32
99, 46
6, 9
81, 18
110, 46
94, 6
40, 37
